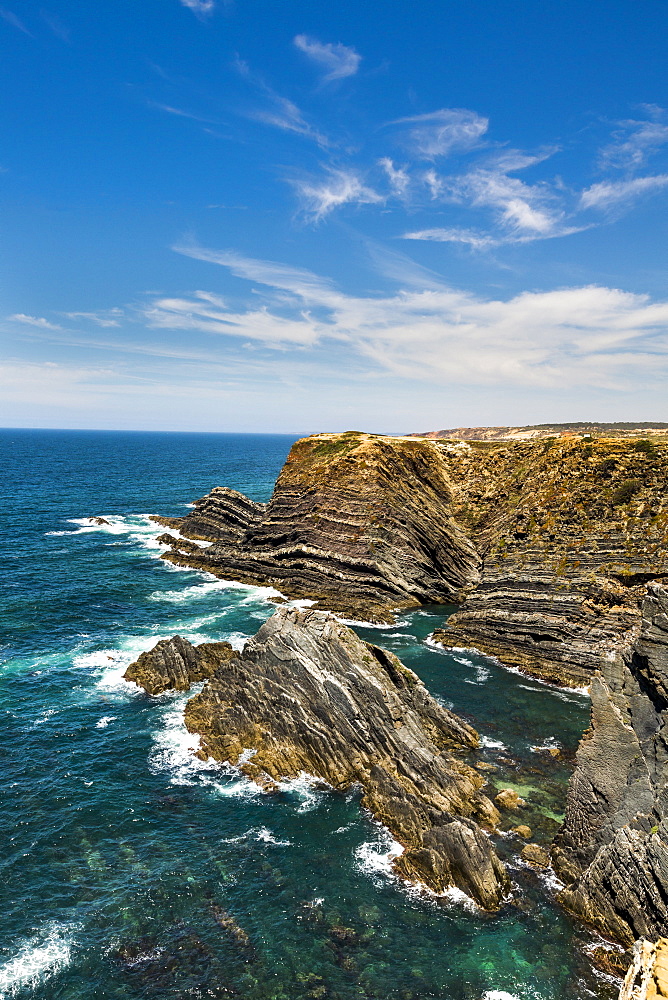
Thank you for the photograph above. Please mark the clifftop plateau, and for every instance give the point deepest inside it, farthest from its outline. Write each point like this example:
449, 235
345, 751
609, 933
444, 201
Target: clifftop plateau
532, 432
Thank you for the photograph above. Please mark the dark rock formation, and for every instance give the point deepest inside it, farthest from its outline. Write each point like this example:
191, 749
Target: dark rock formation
360, 523
308, 696
613, 847
174, 664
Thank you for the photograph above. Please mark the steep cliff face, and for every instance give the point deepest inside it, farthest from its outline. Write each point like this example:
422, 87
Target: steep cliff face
568, 531
360, 523
307, 695
613, 848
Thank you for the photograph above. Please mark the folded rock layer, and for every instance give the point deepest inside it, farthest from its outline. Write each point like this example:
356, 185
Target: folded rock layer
362, 524
308, 696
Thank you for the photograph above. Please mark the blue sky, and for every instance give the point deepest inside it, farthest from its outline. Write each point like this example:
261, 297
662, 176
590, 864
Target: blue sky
289, 216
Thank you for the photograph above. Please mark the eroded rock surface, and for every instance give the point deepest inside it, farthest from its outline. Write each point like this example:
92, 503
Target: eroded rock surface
613, 848
174, 664
647, 977
360, 523
308, 696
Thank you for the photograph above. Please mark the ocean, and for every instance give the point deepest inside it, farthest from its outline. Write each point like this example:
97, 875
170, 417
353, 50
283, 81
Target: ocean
131, 869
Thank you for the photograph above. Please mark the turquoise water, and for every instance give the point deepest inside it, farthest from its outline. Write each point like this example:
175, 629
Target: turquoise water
124, 857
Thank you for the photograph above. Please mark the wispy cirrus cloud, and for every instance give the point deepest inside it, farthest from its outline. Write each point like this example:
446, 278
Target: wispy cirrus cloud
181, 113
442, 132
278, 111
479, 241
337, 60
338, 187
615, 194
36, 321
10, 17
589, 336
398, 177
104, 318
634, 142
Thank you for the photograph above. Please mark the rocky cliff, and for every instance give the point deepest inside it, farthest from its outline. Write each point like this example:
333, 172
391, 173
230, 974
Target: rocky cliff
613, 848
360, 523
307, 695
547, 543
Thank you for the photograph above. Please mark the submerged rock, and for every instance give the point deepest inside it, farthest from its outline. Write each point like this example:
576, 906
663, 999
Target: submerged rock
174, 664
612, 850
508, 798
307, 696
535, 855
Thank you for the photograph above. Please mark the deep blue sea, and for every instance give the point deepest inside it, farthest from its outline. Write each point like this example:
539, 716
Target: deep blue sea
123, 855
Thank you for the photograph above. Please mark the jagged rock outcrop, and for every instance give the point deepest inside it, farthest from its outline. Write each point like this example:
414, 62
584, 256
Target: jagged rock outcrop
612, 850
306, 695
568, 531
647, 977
174, 664
360, 523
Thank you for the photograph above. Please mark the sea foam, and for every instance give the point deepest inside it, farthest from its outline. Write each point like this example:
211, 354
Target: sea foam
37, 959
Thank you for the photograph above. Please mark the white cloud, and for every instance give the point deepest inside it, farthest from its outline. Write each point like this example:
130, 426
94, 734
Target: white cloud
442, 132
634, 142
200, 7
478, 241
612, 194
38, 321
397, 176
340, 187
337, 60
523, 211
434, 183
285, 114
207, 313
281, 113
585, 336
107, 317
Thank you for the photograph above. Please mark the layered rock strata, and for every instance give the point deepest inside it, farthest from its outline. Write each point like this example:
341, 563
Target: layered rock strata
361, 524
308, 696
548, 543
174, 664
612, 850
568, 532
